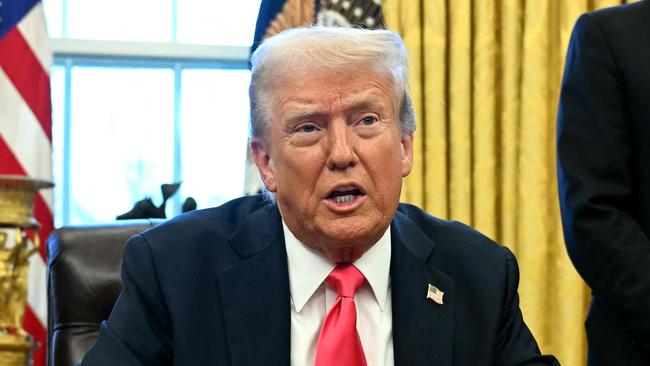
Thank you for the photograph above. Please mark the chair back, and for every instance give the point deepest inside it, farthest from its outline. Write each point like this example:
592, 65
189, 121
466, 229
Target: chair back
83, 282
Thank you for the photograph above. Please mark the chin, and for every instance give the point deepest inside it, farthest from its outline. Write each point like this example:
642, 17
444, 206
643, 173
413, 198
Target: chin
345, 234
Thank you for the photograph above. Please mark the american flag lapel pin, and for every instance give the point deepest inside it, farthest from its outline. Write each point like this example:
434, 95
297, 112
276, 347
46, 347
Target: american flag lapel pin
435, 294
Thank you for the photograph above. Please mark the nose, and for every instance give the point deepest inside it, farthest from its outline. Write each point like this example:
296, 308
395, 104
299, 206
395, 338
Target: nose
342, 154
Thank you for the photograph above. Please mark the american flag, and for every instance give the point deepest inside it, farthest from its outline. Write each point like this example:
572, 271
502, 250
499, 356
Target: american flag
26, 133
435, 294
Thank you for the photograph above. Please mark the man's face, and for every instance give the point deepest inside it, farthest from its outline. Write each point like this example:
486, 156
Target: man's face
334, 157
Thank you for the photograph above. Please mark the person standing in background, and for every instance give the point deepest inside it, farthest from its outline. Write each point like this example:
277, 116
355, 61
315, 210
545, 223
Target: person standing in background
604, 177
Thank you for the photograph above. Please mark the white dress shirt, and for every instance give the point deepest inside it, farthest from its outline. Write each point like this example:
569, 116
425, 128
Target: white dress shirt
311, 300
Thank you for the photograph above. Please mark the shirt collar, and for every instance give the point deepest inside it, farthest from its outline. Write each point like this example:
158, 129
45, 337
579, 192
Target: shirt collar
308, 268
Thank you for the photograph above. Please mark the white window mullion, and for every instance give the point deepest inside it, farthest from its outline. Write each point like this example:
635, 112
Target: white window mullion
66, 181
178, 168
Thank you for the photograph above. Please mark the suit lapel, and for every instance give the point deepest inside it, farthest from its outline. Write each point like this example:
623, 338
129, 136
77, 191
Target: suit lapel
255, 293
422, 329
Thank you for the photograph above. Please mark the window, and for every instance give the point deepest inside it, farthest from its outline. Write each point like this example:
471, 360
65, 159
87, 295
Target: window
144, 93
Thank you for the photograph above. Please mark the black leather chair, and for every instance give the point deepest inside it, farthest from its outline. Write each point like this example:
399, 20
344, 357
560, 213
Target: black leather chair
83, 282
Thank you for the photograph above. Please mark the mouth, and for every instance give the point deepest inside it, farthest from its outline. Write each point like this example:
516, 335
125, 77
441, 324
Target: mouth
345, 194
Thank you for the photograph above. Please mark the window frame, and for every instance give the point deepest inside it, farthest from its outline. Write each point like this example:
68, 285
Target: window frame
69, 53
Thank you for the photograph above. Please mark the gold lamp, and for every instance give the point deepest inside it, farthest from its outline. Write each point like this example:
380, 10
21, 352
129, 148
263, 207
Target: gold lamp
19, 240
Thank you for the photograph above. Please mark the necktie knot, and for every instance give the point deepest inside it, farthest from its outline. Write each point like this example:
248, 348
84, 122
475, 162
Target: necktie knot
345, 279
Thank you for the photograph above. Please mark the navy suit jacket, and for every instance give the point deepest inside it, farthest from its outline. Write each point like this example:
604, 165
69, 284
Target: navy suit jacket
604, 177
212, 288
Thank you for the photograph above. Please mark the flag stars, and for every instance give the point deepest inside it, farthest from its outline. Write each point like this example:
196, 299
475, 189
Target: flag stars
357, 12
346, 4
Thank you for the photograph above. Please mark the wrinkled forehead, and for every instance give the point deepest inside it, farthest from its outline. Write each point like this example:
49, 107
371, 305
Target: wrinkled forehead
347, 88
354, 76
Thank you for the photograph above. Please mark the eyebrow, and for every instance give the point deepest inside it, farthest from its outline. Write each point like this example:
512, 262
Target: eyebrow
364, 104
368, 100
363, 101
305, 113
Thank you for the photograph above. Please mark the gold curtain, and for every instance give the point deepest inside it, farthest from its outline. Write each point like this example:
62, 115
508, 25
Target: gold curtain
485, 80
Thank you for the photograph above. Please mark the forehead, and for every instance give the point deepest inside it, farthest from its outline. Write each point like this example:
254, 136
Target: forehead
344, 88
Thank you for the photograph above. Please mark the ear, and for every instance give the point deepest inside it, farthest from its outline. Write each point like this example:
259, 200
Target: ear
262, 158
407, 154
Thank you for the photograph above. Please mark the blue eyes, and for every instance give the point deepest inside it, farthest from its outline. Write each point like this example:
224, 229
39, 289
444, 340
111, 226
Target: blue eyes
367, 121
306, 128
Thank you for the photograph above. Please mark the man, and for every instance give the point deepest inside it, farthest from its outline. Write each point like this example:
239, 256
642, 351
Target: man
330, 270
604, 177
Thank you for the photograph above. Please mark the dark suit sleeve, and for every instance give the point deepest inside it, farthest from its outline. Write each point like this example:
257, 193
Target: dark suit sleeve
604, 241
138, 329
515, 343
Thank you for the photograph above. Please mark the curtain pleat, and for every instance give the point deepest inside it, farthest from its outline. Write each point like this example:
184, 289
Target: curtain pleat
484, 99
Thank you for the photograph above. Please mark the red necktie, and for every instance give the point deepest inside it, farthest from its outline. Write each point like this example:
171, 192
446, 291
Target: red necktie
339, 343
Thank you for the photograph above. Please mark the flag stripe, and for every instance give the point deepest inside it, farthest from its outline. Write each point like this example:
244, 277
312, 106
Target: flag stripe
32, 29
9, 164
27, 75
34, 327
24, 135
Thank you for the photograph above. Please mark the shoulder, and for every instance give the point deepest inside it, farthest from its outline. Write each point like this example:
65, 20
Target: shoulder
455, 242
618, 21
223, 219
199, 233
637, 11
